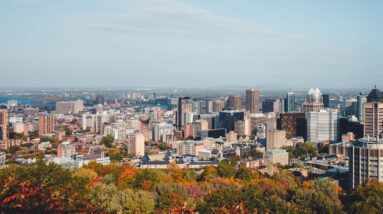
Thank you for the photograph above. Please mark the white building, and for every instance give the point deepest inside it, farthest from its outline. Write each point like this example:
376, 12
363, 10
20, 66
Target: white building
163, 132
190, 147
365, 161
275, 156
322, 126
70, 107
136, 144
100, 158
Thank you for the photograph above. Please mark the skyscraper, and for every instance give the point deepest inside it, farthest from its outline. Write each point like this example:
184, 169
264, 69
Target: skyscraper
235, 102
46, 123
365, 161
185, 105
252, 100
326, 100
373, 121
272, 105
373, 114
322, 126
218, 105
290, 102
227, 119
3, 124
314, 101
361, 100
294, 123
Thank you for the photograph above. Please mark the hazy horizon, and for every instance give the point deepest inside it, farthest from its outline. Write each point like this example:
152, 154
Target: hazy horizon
190, 44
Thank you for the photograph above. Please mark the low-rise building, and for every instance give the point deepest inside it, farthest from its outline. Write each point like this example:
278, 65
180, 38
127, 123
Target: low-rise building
275, 156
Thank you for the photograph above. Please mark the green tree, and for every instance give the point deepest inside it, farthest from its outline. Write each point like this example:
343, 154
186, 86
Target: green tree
366, 198
226, 168
245, 174
107, 141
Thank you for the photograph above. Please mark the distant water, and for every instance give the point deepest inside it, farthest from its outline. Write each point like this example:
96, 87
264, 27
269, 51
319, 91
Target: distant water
21, 100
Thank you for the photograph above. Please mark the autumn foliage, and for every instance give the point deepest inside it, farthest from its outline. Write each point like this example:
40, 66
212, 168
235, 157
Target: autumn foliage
48, 188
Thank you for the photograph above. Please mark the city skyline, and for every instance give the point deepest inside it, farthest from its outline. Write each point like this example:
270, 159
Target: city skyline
191, 44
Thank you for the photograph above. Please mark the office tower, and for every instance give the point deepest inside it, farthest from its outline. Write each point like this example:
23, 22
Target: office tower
100, 99
375, 96
314, 101
227, 119
252, 100
235, 102
373, 119
351, 107
212, 120
373, 114
326, 100
350, 124
365, 161
322, 126
136, 144
201, 106
200, 125
360, 100
290, 105
185, 105
275, 139
70, 107
218, 105
272, 105
46, 123
162, 132
4, 124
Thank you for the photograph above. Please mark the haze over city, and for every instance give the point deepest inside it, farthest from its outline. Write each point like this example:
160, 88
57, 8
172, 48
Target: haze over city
195, 44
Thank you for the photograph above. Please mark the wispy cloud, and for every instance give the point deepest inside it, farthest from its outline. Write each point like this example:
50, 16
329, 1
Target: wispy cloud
173, 17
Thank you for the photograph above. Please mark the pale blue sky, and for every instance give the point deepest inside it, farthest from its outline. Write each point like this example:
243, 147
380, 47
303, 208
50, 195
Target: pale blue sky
195, 43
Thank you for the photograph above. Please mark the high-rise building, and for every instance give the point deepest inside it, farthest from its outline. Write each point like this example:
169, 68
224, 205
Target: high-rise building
235, 102
326, 100
290, 105
350, 125
375, 96
47, 123
218, 105
373, 114
4, 124
272, 105
227, 119
185, 105
365, 161
136, 144
361, 100
322, 126
252, 100
314, 101
373, 119
70, 107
